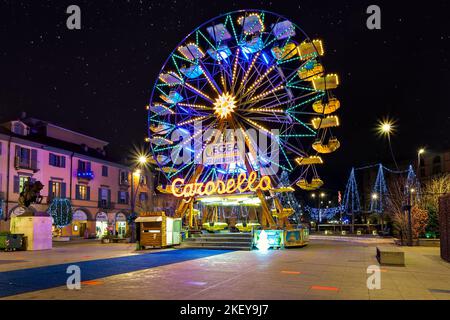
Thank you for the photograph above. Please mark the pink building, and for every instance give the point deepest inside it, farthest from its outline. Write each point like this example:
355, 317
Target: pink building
70, 165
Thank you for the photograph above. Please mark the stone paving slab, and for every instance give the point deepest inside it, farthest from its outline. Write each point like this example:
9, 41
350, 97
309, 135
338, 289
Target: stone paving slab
325, 269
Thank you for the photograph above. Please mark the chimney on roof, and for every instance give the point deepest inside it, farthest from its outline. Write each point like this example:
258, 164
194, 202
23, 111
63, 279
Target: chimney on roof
23, 115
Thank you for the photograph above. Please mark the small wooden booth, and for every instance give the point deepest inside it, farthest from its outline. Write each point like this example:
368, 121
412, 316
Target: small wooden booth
158, 230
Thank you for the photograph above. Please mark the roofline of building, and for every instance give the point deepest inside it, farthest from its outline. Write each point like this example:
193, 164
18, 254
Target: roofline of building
76, 132
26, 142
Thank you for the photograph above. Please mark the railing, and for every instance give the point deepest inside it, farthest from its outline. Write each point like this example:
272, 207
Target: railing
124, 182
26, 163
105, 204
85, 174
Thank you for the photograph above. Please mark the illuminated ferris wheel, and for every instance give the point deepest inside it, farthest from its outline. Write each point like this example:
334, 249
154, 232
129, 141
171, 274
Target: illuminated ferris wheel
243, 71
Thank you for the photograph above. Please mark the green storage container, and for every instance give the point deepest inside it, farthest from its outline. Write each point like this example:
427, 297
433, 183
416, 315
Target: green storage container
11, 242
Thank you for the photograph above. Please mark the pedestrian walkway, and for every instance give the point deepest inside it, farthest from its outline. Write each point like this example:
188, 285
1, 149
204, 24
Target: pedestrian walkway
358, 239
324, 269
26, 280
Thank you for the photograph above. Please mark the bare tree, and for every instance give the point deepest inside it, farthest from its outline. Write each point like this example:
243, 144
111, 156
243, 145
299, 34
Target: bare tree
395, 208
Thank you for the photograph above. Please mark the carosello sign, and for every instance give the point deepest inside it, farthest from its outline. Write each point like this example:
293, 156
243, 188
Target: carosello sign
240, 185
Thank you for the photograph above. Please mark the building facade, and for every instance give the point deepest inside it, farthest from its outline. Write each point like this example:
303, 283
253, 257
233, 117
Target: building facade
433, 163
70, 165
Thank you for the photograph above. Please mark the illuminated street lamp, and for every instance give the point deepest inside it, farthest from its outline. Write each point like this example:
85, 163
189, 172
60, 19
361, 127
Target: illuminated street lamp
420, 152
375, 196
141, 161
386, 127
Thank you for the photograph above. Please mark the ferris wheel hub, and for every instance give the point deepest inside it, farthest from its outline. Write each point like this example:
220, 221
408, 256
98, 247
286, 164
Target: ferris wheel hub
225, 104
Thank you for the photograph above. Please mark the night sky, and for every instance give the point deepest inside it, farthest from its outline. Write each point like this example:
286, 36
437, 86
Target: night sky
98, 80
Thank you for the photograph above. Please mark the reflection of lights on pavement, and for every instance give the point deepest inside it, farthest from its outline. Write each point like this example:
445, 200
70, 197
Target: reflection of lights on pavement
263, 242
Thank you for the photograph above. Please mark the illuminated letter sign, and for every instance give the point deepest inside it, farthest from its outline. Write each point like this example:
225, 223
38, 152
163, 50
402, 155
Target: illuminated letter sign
241, 184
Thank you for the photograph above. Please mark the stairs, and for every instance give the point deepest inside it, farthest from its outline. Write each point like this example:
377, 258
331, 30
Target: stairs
232, 241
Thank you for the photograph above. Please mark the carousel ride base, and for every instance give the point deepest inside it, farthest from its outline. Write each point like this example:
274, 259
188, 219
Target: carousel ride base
223, 240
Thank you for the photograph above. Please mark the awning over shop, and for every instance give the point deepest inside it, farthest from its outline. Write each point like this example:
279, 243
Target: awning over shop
148, 219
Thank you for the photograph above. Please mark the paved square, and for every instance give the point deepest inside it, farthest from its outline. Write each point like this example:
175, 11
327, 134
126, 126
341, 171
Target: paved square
322, 270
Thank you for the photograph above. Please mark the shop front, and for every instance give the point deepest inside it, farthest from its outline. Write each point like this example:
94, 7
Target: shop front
101, 224
121, 225
79, 223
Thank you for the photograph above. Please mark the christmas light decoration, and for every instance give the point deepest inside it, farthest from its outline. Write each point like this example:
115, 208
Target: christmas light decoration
60, 210
379, 192
351, 201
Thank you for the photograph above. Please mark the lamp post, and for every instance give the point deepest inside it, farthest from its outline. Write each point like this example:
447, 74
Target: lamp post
419, 153
322, 195
141, 161
408, 208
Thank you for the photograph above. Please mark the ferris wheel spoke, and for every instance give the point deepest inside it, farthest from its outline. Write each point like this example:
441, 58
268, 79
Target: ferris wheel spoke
197, 91
210, 79
247, 72
256, 83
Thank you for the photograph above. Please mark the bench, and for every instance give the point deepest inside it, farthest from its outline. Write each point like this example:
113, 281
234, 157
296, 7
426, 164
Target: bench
390, 256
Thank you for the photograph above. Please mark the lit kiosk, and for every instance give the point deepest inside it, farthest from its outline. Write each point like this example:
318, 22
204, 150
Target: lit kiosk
158, 231
242, 98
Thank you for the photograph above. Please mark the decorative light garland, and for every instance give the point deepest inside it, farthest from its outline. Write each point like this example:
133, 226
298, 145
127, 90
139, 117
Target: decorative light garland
61, 211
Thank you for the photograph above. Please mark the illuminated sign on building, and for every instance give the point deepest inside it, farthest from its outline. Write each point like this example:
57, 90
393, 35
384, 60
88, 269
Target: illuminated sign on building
241, 184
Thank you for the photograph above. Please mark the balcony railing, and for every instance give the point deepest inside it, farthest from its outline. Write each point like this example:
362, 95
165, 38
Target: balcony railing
124, 182
26, 163
85, 174
105, 204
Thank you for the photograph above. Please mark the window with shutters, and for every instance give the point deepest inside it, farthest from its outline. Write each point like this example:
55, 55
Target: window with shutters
25, 158
84, 170
22, 181
123, 178
57, 160
56, 189
104, 198
143, 196
143, 180
82, 192
437, 165
123, 197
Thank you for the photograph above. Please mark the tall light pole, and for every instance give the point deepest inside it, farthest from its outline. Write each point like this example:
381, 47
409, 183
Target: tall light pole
409, 208
419, 153
141, 161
